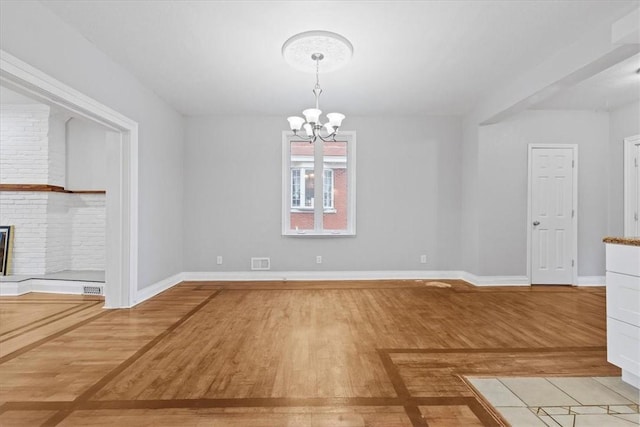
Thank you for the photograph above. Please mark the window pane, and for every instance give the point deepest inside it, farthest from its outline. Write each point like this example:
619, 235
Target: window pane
327, 189
335, 187
302, 166
296, 194
309, 188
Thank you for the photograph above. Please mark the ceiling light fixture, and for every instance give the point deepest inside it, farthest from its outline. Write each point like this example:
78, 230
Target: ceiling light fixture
304, 51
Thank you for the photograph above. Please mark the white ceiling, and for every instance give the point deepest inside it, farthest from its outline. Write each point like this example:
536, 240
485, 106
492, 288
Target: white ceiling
410, 57
612, 88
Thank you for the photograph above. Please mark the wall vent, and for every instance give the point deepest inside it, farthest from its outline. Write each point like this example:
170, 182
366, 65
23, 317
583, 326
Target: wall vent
260, 263
92, 290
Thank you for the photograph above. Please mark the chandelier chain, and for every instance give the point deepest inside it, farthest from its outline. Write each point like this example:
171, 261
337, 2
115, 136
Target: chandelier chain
317, 90
317, 72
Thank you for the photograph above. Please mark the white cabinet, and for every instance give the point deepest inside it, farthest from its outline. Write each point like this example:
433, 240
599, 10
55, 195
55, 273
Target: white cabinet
623, 309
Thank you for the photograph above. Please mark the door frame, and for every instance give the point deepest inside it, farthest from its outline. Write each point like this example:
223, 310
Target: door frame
121, 267
629, 221
574, 243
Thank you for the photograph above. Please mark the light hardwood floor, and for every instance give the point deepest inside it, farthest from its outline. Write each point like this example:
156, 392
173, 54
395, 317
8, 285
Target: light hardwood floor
369, 353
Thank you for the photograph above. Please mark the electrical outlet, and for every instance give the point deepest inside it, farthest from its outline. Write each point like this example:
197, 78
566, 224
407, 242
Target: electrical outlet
319, 259
423, 259
219, 260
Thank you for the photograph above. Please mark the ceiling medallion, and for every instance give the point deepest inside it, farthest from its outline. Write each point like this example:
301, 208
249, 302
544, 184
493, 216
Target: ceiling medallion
298, 50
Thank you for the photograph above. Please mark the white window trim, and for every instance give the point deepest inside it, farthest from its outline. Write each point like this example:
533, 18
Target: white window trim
350, 137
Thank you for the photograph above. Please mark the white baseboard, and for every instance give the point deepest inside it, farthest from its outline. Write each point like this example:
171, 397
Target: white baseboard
71, 287
591, 280
57, 286
14, 288
158, 287
374, 275
316, 275
523, 280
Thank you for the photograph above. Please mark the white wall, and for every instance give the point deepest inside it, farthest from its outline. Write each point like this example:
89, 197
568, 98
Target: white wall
502, 176
624, 122
408, 186
469, 197
86, 155
32, 33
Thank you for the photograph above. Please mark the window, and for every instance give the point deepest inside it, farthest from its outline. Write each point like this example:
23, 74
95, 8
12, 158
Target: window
320, 170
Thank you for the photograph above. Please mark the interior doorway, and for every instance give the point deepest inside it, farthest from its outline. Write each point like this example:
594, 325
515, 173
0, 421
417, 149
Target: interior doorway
631, 186
121, 210
552, 214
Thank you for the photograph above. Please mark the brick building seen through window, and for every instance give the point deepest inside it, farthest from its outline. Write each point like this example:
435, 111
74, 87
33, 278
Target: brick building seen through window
334, 185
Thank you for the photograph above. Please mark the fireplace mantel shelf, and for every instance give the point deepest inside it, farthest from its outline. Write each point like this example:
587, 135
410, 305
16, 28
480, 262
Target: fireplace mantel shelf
45, 188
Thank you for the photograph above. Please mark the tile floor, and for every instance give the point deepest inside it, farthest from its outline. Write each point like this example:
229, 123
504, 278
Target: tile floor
562, 401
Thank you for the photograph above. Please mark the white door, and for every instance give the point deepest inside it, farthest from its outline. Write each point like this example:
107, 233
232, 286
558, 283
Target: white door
552, 216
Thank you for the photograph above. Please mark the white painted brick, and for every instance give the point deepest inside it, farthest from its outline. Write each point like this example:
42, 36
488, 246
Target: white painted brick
55, 231
88, 219
24, 144
58, 232
29, 240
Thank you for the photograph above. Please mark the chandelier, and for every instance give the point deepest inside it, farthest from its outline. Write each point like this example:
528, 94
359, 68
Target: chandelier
316, 45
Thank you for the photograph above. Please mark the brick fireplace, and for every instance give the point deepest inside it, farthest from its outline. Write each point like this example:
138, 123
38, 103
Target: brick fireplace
55, 228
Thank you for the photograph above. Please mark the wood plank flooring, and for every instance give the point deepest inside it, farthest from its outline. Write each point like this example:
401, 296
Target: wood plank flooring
354, 353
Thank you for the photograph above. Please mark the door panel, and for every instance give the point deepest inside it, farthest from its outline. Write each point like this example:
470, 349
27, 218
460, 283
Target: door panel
551, 215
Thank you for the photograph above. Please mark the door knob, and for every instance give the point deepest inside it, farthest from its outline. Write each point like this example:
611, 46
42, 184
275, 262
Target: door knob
536, 223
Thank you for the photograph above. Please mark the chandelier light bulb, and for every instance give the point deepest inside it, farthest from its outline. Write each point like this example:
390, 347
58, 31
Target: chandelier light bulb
308, 129
335, 119
295, 122
312, 115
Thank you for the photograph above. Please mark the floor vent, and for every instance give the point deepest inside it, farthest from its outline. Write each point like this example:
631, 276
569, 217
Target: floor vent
92, 290
260, 263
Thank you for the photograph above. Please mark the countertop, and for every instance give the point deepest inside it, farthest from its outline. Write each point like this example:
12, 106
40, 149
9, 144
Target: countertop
629, 241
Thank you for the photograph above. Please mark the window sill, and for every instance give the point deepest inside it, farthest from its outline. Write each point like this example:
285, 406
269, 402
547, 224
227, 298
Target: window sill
313, 233
310, 210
